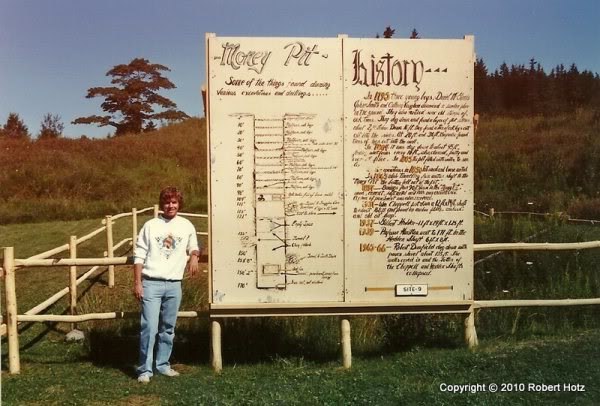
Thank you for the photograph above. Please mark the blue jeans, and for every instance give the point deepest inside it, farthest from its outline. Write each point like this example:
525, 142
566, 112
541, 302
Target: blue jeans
160, 305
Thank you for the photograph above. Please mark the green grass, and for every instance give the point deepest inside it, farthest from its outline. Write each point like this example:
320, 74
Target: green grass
408, 377
536, 275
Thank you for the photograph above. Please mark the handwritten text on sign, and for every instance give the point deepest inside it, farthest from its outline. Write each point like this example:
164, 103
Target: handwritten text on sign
343, 179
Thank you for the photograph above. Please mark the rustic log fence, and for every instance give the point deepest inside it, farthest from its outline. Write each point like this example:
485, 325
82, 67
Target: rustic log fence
10, 264
43, 259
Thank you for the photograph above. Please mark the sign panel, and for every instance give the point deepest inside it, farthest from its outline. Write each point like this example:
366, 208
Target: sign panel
341, 170
408, 108
276, 167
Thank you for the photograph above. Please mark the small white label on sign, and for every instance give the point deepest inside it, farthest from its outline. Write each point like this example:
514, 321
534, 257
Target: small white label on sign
411, 290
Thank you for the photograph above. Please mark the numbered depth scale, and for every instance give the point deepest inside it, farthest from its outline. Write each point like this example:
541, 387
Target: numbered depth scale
411, 290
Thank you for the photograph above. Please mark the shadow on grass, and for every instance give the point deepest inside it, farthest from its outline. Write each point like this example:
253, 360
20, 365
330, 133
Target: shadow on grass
263, 340
121, 352
404, 332
50, 326
117, 345
244, 341
257, 340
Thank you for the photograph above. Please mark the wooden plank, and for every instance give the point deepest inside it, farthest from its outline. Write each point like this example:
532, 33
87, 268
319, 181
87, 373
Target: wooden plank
121, 243
521, 246
336, 309
77, 261
94, 316
526, 303
91, 235
51, 252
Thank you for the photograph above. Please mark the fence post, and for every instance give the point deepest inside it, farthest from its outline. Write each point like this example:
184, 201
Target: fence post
110, 251
346, 343
133, 226
14, 362
155, 210
470, 332
73, 278
215, 344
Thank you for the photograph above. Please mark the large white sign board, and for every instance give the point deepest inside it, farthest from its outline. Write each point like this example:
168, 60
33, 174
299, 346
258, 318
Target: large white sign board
341, 171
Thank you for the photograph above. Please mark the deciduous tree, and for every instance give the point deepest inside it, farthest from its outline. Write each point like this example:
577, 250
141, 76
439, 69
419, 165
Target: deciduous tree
51, 127
130, 101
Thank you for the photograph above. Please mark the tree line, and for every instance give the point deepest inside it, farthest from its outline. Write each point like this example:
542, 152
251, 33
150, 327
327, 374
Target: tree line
521, 90
50, 127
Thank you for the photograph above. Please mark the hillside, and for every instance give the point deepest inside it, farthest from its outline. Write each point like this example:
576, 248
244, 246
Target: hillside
83, 178
539, 163
544, 164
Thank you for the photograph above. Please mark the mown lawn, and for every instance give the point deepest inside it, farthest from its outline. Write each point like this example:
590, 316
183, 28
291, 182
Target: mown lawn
64, 375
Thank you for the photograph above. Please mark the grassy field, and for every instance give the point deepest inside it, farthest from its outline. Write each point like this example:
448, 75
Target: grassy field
541, 164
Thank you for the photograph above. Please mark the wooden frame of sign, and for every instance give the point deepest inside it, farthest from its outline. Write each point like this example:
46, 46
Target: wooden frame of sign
340, 175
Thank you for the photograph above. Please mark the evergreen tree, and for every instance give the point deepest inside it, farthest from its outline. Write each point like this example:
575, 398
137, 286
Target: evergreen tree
526, 89
482, 84
389, 32
15, 127
130, 102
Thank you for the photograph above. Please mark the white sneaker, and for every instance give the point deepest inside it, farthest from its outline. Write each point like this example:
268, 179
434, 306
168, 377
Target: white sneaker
170, 372
144, 378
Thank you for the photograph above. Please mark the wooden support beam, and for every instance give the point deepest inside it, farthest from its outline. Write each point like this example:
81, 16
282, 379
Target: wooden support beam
470, 331
73, 279
110, 251
14, 362
215, 344
346, 343
134, 227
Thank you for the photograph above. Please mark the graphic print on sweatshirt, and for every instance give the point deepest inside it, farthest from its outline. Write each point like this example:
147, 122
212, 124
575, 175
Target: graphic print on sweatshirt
168, 244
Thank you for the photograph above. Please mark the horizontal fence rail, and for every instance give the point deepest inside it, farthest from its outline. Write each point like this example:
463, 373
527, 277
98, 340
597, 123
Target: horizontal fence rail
79, 261
562, 216
96, 316
480, 304
533, 246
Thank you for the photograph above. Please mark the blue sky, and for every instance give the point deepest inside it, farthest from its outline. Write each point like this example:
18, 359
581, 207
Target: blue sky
51, 52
